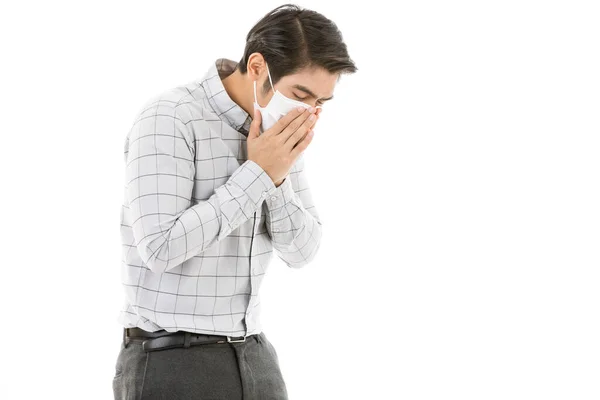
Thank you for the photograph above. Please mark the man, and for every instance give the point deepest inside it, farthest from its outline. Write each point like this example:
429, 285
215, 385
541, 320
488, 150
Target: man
215, 184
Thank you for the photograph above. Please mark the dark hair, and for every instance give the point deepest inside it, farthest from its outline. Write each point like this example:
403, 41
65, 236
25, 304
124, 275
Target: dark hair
291, 38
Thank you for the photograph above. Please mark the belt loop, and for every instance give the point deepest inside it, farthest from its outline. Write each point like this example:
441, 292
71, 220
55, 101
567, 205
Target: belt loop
187, 339
125, 337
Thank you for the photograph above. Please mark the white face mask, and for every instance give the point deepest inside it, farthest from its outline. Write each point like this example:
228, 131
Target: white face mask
278, 106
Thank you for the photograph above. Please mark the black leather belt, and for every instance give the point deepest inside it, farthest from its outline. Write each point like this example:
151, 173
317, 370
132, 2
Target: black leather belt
162, 340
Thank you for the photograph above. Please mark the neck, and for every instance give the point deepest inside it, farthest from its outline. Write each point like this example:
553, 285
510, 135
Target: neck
237, 87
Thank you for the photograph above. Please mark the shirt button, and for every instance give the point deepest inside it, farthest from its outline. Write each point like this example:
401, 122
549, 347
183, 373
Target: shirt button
275, 230
273, 198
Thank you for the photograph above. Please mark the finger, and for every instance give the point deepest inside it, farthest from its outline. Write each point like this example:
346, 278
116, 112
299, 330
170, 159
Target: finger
284, 122
312, 126
254, 130
294, 125
315, 121
302, 145
317, 113
301, 131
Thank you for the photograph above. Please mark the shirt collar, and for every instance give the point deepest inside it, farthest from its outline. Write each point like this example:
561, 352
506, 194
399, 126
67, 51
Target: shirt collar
227, 110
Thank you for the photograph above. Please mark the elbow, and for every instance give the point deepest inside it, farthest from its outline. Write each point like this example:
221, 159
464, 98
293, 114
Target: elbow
152, 254
299, 264
316, 234
153, 262
305, 260
156, 266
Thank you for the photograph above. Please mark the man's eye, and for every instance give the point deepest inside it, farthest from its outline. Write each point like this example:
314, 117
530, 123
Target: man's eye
319, 103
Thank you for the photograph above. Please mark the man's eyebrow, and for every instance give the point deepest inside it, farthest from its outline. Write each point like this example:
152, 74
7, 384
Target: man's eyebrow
309, 92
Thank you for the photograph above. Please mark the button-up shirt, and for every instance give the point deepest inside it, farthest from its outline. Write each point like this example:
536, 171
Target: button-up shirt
199, 221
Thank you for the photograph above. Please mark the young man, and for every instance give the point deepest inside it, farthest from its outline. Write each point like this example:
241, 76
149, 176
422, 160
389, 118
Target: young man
214, 186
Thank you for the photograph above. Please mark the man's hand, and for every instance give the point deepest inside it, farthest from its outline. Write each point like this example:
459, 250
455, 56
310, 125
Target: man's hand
278, 148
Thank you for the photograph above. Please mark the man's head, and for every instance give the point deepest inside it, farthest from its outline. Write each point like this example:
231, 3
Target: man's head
304, 51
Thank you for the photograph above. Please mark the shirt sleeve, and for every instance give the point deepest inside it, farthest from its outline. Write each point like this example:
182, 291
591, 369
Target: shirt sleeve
169, 227
292, 219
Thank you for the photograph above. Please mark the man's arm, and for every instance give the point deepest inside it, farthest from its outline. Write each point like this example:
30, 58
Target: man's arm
160, 171
292, 220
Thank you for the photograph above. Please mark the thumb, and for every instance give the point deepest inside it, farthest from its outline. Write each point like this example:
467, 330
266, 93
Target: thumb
255, 125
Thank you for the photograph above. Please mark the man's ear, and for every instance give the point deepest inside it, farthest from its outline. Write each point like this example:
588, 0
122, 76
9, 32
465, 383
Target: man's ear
255, 67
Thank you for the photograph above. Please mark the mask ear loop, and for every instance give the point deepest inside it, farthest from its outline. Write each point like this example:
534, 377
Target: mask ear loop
270, 81
269, 73
255, 98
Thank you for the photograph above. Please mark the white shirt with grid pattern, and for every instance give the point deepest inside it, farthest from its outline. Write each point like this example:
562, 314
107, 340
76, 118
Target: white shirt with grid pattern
200, 222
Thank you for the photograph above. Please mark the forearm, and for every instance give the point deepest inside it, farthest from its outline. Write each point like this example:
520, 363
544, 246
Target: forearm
166, 241
295, 230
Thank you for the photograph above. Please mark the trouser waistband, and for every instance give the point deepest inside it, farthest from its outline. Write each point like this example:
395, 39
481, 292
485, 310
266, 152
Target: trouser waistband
162, 339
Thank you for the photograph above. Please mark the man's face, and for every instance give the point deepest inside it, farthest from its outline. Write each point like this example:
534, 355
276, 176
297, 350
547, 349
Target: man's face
312, 86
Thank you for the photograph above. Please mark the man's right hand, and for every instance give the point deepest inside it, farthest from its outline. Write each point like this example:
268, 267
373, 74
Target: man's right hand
277, 149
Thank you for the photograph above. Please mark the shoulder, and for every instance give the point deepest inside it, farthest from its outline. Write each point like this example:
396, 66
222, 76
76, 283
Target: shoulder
173, 101
188, 102
164, 115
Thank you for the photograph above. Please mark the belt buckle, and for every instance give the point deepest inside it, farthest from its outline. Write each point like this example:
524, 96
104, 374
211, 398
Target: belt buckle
236, 341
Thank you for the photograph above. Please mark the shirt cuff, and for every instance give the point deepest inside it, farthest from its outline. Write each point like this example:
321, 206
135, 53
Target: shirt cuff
282, 194
254, 180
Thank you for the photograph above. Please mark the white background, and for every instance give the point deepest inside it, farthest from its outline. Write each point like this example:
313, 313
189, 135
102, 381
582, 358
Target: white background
456, 174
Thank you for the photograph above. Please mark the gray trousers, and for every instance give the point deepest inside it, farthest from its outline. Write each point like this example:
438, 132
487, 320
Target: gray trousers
222, 371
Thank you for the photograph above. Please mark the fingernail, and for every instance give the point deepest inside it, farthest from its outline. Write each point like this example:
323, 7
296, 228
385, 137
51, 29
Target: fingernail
312, 117
300, 109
